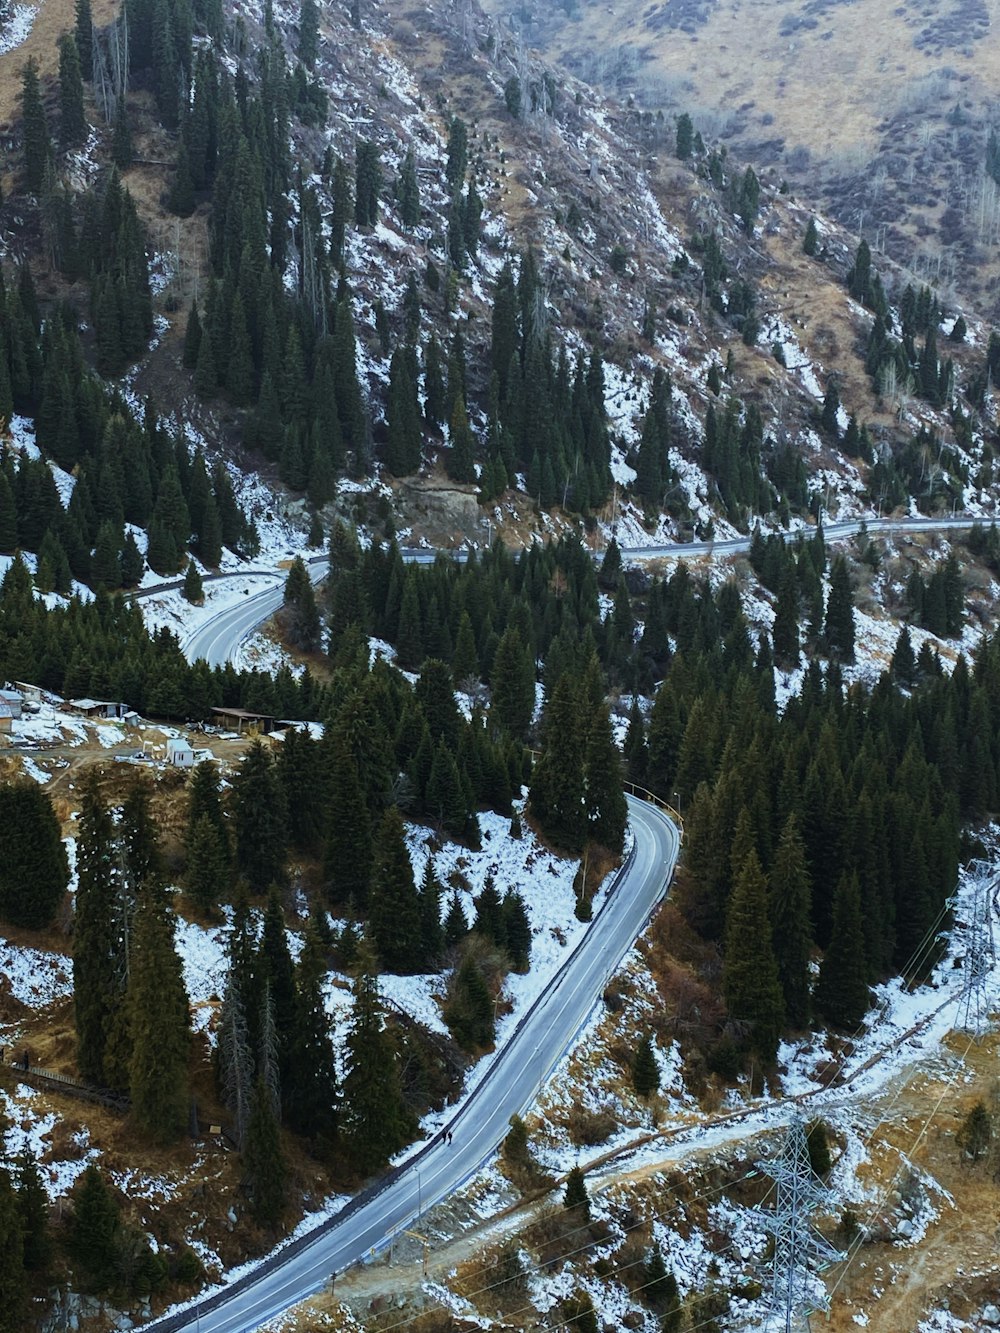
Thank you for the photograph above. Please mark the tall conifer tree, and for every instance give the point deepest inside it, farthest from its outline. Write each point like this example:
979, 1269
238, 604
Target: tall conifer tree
750, 974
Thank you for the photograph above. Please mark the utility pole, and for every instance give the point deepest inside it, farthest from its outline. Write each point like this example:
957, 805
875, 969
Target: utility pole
799, 1251
980, 951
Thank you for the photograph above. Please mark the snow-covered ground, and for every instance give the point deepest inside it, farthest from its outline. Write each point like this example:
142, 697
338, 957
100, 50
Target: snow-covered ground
16, 28
170, 609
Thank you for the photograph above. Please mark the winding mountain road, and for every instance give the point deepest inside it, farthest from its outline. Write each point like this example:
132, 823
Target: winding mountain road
219, 638
542, 1037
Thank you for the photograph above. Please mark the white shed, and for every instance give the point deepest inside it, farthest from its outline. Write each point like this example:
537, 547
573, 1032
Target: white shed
179, 753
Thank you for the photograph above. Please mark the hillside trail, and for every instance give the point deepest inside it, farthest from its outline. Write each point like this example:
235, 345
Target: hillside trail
891, 1286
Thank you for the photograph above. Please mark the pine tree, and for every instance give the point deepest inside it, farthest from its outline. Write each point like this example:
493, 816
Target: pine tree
260, 819
408, 191
517, 930
575, 1197
311, 1097
811, 239
83, 30
8, 515
557, 785
206, 375
264, 1169
308, 33
431, 929
33, 1208
789, 906
841, 991
456, 924
685, 136
376, 1121
512, 685
13, 1281
394, 905
469, 1010
903, 664
133, 563
34, 873
785, 635
459, 462
180, 199
368, 183
975, 1134
192, 338
193, 590
159, 1020
95, 983
645, 1071
750, 974
72, 121
94, 1229
348, 859
607, 811
121, 137
818, 1143
208, 865
234, 1059
839, 625
37, 145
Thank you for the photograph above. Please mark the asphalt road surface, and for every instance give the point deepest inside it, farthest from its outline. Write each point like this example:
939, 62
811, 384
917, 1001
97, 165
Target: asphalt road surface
219, 638
543, 1036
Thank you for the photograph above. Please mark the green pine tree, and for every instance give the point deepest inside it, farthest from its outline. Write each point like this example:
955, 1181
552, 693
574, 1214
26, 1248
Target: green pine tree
311, 1093
72, 121
33, 1207
34, 872
193, 590
264, 1169
791, 934
645, 1070
750, 974
469, 1008
841, 988
976, 1133
459, 462
37, 144
394, 905
160, 1025
95, 1230
408, 191
208, 866
575, 1197
13, 1279
558, 781
839, 625
376, 1121
260, 819
348, 857
96, 988
607, 811
685, 137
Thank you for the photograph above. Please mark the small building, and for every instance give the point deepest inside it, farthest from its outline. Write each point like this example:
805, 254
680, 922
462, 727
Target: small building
239, 719
34, 693
13, 701
6, 718
179, 753
97, 708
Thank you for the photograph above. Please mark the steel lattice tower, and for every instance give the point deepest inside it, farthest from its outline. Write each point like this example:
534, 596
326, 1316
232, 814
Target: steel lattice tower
798, 1249
980, 951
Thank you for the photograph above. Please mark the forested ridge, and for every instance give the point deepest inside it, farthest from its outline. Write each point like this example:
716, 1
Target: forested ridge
822, 835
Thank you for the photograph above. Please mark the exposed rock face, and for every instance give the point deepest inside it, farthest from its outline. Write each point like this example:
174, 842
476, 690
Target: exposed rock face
439, 509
